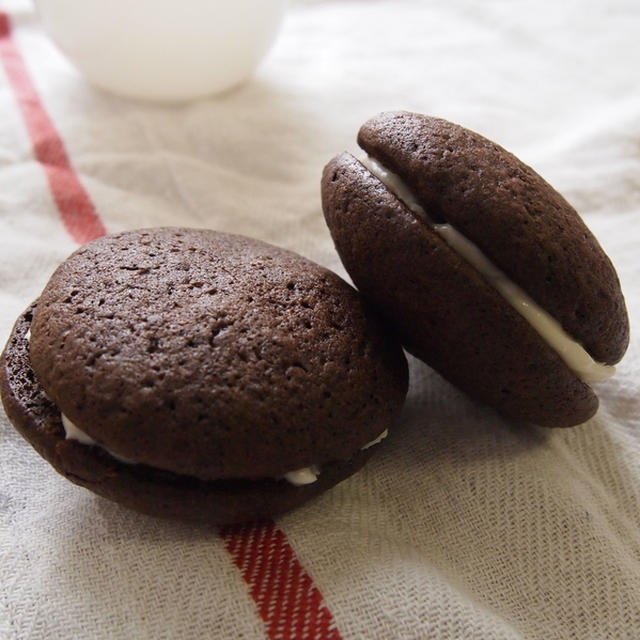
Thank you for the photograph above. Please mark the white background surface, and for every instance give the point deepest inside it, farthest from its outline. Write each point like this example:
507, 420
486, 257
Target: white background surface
462, 526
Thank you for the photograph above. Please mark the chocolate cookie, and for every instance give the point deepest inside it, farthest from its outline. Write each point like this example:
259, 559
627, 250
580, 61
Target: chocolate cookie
487, 273
200, 375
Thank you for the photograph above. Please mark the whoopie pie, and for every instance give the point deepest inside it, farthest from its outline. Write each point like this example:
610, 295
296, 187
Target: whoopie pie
485, 271
200, 375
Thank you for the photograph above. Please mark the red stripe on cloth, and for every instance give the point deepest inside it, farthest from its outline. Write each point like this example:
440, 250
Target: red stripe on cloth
287, 600
77, 212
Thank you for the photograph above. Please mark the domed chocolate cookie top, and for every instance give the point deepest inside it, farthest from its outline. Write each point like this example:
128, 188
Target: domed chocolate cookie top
518, 220
213, 355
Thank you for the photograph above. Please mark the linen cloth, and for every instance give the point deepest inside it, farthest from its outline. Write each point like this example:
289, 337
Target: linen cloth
462, 525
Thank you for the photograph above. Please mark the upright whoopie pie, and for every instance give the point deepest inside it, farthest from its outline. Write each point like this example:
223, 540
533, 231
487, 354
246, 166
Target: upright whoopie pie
199, 375
486, 271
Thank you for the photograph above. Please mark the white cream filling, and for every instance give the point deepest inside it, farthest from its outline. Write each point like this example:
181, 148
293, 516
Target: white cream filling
573, 354
308, 475
376, 441
298, 477
73, 433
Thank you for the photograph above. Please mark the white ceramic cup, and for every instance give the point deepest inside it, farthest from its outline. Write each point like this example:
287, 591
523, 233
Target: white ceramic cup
163, 49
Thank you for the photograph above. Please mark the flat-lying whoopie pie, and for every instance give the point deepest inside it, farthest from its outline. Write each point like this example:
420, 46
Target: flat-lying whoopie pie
199, 375
485, 271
